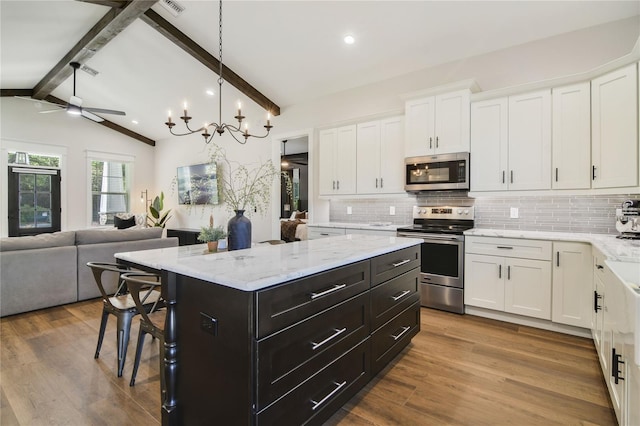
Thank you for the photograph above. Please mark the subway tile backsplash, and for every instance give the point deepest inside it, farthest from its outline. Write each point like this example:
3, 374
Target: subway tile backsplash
577, 213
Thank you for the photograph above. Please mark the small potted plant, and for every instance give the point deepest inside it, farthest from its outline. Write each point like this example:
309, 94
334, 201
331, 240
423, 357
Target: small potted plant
211, 234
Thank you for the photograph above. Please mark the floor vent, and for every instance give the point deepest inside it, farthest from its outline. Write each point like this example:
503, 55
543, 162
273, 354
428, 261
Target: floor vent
92, 72
173, 7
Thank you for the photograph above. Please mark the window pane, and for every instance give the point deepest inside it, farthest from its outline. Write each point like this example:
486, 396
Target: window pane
27, 201
27, 218
43, 218
27, 182
43, 200
43, 183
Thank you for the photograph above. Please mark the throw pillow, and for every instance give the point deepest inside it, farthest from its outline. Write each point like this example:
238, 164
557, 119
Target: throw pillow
301, 215
124, 223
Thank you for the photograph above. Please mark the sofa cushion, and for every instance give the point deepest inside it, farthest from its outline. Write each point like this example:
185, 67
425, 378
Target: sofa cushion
98, 236
56, 239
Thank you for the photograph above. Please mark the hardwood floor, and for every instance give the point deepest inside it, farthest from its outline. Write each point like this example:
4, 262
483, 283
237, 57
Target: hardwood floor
459, 370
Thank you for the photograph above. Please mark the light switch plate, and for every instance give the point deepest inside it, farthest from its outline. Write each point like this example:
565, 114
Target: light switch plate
392, 210
349, 210
514, 213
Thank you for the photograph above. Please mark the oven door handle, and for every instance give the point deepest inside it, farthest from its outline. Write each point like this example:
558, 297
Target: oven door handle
428, 237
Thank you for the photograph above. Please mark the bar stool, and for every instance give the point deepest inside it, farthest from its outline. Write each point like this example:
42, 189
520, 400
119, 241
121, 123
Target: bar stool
121, 304
151, 321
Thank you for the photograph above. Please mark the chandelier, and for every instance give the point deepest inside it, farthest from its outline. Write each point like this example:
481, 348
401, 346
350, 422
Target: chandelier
219, 127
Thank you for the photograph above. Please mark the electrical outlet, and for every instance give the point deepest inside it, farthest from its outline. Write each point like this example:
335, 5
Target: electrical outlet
514, 213
349, 210
392, 210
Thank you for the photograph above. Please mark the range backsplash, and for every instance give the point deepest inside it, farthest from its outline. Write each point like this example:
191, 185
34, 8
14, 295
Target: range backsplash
578, 213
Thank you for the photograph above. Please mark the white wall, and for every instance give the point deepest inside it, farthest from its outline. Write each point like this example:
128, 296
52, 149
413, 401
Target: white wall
23, 128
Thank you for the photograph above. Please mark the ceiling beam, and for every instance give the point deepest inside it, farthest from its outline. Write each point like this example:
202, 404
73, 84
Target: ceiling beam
111, 24
196, 51
16, 92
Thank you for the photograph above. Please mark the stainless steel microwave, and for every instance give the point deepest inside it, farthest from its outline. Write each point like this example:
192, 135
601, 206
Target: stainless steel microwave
437, 172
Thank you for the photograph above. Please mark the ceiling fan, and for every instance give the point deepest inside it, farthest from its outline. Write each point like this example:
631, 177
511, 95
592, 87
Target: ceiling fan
287, 160
74, 106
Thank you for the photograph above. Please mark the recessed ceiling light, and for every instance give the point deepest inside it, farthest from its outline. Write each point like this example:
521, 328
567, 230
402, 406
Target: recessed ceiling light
349, 39
134, 121
210, 92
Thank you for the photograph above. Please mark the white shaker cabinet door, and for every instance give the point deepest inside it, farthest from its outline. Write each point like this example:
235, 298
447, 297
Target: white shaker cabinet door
489, 145
614, 129
345, 170
368, 154
527, 289
571, 137
419, 127
392, 155
452, 122
327, 158
572, 300
530, 141
484, 281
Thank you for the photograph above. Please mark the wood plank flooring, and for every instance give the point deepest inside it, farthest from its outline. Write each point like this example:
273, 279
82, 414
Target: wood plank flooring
459, 370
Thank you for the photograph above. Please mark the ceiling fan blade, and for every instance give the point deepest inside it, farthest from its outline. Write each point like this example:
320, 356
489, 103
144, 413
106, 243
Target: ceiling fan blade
52, 110
104, 111
39, 101
92, 117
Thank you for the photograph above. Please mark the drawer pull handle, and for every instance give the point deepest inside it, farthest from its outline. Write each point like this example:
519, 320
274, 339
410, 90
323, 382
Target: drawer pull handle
404, 330
331, 290
333, 392
395, 265
401, 295
324, 233
315, 345
599, 266
505, 247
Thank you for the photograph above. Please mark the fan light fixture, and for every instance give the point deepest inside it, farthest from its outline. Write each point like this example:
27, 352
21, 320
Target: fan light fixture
219, 127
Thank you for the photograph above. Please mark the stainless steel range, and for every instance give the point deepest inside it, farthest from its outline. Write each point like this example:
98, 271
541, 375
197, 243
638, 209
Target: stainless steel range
442, 269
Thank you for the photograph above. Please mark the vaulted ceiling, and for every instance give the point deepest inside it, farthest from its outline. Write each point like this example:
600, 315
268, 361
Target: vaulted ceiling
290, 52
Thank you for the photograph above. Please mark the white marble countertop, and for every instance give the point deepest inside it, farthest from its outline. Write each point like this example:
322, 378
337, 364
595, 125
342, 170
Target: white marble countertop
266, 265
374, 226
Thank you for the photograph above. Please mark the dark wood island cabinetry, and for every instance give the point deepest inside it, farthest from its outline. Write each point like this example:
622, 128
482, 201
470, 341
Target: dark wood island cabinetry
286, 354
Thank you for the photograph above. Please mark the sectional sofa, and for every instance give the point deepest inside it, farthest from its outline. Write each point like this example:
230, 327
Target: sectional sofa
50, 269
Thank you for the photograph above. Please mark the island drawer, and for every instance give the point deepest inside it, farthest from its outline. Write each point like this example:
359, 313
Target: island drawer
315, 400
392, 264
392, 337
394, 296
287, 358
283, 305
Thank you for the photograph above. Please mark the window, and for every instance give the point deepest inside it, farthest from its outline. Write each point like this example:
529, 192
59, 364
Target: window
34, 194
109, 190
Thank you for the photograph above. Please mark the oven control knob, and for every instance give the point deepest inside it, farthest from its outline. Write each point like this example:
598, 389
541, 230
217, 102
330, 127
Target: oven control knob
423, 211
466, 211
459, 211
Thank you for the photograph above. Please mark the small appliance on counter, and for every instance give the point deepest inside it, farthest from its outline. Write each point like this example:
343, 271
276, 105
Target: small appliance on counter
628, 220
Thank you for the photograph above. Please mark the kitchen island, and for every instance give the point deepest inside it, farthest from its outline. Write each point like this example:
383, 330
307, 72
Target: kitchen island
282, 334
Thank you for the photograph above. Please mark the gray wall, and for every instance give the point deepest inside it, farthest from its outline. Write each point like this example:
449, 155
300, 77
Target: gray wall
578, 213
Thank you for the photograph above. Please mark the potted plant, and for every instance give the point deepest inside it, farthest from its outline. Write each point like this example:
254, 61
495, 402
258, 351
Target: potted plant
243, 186
211, 234
158, 218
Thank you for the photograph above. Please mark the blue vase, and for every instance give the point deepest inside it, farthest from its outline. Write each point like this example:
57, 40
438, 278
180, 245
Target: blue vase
239, 229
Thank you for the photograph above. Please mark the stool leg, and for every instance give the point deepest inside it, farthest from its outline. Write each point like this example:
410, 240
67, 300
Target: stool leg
103, 326
136, 363
124, 328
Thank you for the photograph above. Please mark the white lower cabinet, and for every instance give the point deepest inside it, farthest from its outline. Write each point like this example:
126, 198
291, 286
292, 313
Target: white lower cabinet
633, 395
509, 282
572, 284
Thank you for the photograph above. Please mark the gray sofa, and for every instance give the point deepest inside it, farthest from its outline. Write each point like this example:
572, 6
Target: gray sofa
51, 269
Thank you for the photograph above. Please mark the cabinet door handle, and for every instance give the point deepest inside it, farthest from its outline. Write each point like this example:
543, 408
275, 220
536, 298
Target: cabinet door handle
381, 183
401, 295
499, 271
338, 185
558, 259
323, 400
503, 176
593, 172
511, 176
556, 174
508, 272
395, 265
505, 247
615, 365
437, 139
599, 266
331, 290
404, 330
315, 345
430, 143
596, 297
334, 184
376, 182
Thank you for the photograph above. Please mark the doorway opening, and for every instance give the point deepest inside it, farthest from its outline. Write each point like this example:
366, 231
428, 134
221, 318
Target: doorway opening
294, 164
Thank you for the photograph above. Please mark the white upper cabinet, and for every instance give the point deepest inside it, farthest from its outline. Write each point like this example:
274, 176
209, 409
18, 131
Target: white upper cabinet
437, 124
337, 161
614, 129
530, 141
380, 156
489, 145
571, 137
